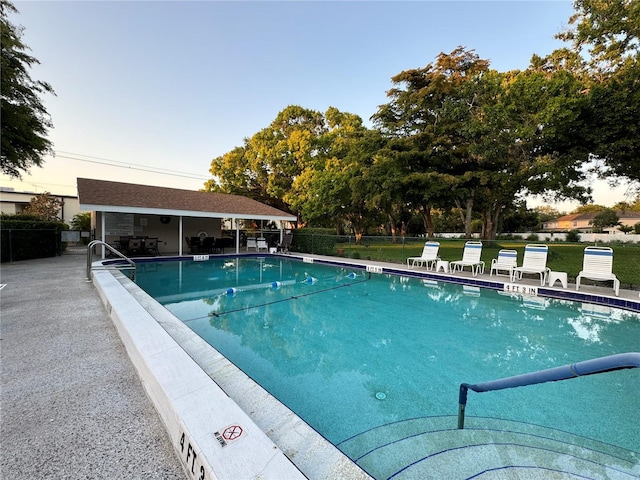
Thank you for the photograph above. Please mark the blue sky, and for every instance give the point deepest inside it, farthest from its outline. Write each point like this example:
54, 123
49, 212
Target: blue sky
172, 84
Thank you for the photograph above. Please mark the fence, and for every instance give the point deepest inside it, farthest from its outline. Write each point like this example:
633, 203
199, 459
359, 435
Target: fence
26, 244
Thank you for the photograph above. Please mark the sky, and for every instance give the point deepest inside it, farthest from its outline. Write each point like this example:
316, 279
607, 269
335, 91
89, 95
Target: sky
151, 91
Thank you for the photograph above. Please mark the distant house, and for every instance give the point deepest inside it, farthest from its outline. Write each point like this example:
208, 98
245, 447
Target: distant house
584, 222
13, 202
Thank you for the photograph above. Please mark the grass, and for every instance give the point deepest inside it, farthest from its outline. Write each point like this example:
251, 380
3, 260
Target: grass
563, 257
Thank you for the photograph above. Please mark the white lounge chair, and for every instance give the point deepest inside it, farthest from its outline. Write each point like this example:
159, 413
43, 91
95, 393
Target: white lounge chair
598, 265
533, 263
429, 256
261, 244
470, 258
251, 243
507, 260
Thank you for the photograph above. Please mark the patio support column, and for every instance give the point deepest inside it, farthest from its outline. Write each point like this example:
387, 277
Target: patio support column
103, 236
180, 235
237, 236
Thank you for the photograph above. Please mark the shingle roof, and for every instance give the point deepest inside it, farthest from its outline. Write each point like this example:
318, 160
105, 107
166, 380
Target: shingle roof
101, 195
592, 215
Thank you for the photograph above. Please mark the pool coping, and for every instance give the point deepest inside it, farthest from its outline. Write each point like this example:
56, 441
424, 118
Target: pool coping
199, 393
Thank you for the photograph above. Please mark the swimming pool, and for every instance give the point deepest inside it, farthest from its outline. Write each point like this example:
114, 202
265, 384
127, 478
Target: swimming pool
371, 361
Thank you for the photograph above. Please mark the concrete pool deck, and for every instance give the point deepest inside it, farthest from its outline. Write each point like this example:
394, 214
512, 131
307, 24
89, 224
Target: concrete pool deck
105, 425
72, 403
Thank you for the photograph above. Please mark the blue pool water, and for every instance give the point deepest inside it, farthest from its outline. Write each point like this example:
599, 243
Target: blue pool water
350, 352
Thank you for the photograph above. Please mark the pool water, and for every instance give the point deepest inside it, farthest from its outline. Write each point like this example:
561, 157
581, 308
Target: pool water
351, 352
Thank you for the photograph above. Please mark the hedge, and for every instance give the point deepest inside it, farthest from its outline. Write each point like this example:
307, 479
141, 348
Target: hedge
320, 241
24, 237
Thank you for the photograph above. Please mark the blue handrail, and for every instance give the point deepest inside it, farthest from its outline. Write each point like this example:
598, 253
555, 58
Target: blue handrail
566, 372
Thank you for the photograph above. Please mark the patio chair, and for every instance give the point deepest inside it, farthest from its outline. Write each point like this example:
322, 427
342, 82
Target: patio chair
470, 258
598, 265
222, 243
208, 245
507, 260
285, 245
194, 244
533, 263
429, 256
134, 247
151, 246
261, 244
251, 243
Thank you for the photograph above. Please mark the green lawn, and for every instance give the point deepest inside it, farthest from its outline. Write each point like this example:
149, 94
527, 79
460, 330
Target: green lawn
564, 257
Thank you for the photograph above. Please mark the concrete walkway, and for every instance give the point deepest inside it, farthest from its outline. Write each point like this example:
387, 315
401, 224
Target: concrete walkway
72, 405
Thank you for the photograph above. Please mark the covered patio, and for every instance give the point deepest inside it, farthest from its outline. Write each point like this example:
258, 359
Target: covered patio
169, 215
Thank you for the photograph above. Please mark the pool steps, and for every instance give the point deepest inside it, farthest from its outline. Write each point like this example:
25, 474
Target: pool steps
489, 448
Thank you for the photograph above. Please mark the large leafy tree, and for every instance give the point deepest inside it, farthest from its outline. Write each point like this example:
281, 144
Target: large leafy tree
614, 121
332, 191
607, 33
25, 121
269, 162
526, 136
425, 118
475, 138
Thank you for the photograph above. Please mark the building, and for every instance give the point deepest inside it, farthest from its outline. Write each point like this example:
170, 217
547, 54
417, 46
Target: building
584, 222
12, 202
170, 215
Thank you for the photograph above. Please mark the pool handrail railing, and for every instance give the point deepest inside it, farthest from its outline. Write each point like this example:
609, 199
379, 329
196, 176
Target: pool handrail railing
130, 263
588, 367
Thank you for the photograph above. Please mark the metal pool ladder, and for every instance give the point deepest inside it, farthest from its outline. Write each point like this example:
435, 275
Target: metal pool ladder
114, 266
566, 372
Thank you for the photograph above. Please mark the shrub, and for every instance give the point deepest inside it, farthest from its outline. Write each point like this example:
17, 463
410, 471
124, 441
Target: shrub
573, 236
533, 237
27, 236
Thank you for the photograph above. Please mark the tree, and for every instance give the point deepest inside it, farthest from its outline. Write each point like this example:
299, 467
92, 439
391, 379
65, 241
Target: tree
613, 121
520, 219
425, 116
589, 208
81, 221
606, 218
268, 163
332, 190
469, 136
634, 206
546, 213
527, 136
25, 121
45, 206
606, 32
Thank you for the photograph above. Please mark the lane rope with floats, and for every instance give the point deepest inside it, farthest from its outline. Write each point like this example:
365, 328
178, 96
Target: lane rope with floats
276, 285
